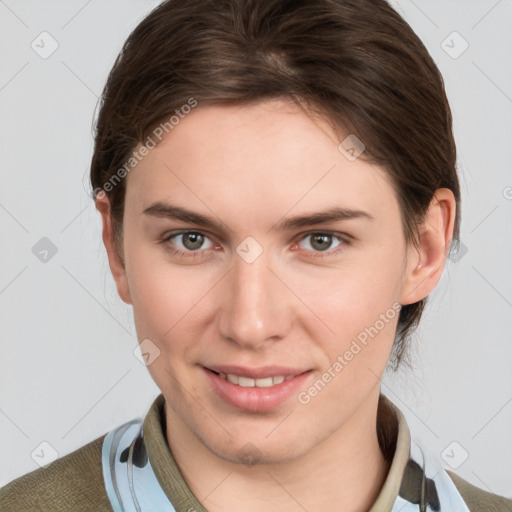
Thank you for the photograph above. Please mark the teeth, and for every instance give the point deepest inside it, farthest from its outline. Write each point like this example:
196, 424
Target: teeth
264, 383
232, 378
247, 382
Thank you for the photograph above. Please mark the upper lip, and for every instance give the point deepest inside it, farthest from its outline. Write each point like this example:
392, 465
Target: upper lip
256, 373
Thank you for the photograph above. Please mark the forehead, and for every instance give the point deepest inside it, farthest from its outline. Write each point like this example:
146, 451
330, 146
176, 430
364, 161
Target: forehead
255, 155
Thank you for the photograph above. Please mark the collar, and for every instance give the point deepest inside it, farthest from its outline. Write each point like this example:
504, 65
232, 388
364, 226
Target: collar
392, 432
140, 472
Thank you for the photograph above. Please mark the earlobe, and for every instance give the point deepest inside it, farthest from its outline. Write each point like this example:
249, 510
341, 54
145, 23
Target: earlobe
117, 266
425, 263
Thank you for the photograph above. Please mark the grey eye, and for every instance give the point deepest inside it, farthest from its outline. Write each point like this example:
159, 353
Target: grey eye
320, 241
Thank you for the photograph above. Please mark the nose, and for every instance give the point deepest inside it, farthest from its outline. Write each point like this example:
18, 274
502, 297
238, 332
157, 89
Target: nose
256, 307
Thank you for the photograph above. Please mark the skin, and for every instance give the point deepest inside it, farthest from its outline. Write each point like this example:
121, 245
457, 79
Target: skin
295, 305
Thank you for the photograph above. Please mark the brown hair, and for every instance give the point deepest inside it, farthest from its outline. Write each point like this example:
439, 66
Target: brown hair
356, 61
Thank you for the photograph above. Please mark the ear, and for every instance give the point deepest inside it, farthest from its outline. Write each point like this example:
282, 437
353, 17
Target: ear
425, 264
117, 266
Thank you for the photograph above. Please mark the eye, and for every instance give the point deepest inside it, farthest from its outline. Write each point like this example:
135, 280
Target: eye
321, 242
191, 242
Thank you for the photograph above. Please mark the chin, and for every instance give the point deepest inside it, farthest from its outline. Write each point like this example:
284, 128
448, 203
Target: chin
258, 450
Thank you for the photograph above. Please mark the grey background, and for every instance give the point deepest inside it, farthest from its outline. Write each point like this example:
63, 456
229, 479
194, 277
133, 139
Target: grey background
68, 372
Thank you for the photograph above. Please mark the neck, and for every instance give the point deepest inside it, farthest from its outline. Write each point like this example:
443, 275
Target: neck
345, 472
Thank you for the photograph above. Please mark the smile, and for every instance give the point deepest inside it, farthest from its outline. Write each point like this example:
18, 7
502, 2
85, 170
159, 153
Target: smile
248, 382
256, 390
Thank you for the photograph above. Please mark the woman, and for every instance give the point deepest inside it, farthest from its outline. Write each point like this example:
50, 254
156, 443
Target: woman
274, 210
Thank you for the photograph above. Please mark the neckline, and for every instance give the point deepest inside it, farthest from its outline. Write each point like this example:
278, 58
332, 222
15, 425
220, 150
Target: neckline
392, 431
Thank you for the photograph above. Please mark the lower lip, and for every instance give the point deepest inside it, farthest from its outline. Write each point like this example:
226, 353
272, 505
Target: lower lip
256, 399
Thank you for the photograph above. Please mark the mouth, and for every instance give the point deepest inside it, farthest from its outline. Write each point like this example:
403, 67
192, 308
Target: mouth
255, 390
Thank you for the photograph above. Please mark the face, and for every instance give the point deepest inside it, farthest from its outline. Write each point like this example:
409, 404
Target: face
263, 290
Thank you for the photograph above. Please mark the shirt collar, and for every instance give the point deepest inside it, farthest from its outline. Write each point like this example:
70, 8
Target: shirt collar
395, 442
392, 432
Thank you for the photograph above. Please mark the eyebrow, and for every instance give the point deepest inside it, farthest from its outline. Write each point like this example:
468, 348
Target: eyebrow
334, 214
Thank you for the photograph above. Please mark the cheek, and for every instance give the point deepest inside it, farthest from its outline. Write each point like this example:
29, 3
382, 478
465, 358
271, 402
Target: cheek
169, 304
161, 293
164, 305
358, 301
163, 301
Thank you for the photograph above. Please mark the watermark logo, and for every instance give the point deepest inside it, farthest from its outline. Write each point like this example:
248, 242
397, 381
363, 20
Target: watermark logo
456, 255
249, 249
249, 454
454, 45
352, 147
44, 250
454, 455
44, 454
44, 45
146, 352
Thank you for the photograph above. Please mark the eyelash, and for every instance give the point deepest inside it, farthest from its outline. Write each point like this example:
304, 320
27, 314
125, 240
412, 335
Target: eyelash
204, 253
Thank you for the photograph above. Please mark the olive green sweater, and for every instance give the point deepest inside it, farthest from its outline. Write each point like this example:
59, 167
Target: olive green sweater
74, 483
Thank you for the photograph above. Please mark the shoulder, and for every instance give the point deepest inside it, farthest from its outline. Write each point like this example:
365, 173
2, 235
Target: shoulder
73, 482
479, 500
